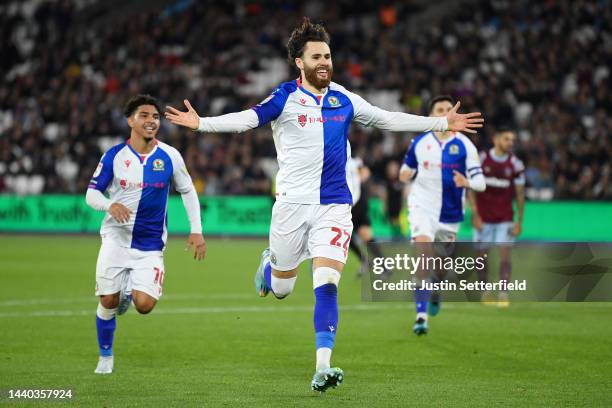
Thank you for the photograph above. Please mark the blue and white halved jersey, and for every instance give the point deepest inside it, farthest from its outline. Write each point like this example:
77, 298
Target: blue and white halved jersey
311, 138
142, 184
433, 189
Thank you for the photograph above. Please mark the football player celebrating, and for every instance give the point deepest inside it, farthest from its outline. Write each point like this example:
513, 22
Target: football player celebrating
311, 219
136, 176
437, 163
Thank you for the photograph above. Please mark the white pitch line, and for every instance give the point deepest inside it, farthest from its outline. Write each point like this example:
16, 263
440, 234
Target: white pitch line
63, 300
205, 310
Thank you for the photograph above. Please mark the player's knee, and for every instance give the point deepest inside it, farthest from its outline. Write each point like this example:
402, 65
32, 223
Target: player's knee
282, 287
324, 275
144, 307
143, 303
110, 301
105, 313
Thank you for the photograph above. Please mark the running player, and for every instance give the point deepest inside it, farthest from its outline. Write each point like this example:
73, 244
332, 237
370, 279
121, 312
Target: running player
437, 163
136, 176
492, 212
311, 218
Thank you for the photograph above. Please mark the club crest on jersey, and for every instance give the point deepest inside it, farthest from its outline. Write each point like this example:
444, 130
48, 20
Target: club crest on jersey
158, 165
302, 120
453, 149
333, 101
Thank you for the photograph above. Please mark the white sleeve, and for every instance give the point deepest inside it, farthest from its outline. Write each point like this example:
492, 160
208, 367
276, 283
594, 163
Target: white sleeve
96, 200
472, 165
192, 207
231, 122
370, 115
184, 185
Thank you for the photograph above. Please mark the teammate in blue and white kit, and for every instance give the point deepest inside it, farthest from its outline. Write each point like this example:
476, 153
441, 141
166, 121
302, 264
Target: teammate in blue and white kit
136, 176
311, 218
437, 163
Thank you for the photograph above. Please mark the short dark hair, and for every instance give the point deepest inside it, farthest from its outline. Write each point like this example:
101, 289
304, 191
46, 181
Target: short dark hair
440, 98
503, 129
139, 100
301, 35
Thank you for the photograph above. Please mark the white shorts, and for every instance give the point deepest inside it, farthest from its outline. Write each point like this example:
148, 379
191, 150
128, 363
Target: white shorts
143, 270
303, 231
424, 223
499, 234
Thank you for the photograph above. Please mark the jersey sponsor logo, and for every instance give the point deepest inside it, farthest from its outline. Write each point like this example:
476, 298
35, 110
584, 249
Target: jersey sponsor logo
496, 182
158, 165
428, 165
302, 120
320, 119
453, 149
98, 170
125, 184
333, 101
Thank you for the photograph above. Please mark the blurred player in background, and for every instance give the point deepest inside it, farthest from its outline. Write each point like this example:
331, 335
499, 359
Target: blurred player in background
394, 198
358, 175
136, 176
492, 212
437, 163
310, 119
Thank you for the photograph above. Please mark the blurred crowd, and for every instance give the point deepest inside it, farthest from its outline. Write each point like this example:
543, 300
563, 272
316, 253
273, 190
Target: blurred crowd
542, 68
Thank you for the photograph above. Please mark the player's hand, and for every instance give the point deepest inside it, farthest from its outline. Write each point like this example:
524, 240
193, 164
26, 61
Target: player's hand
189, 119
119, 212
463, 122
196, 241
460, 180
476, 221
517, 229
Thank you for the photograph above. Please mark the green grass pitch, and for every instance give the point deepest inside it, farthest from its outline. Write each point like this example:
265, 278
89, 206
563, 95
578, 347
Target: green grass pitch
212, 342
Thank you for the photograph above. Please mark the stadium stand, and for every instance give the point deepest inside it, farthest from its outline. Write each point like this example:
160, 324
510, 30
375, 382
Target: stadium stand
67, 67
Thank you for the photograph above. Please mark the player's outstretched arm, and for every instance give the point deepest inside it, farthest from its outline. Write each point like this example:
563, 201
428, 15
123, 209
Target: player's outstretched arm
463, 122
231, 122
369, 115
189, 119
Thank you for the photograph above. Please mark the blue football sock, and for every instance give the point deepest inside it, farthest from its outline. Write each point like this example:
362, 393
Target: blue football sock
421, 297
106, 332
326, 315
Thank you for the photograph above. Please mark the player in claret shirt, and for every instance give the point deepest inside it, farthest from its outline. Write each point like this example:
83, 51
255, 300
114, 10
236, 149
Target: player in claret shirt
311, 219
136, 176
492, 212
